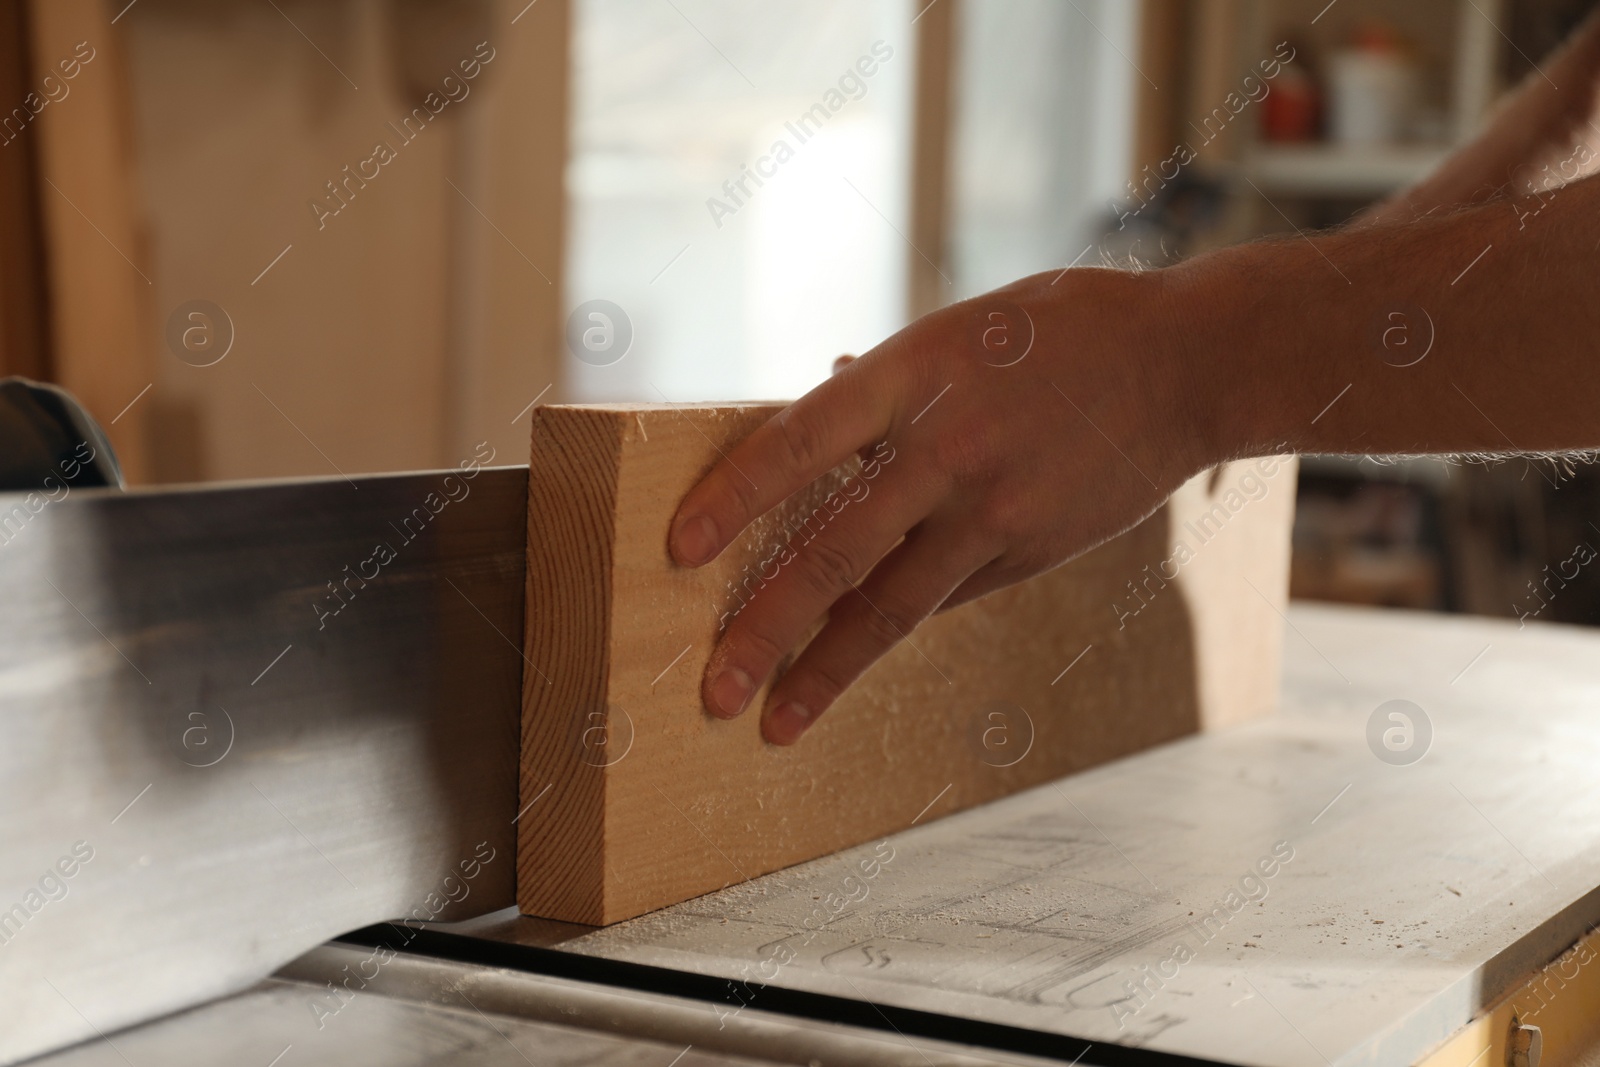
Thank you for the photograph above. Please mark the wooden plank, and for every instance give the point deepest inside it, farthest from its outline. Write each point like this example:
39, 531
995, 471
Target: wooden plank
634, 798
1040, 910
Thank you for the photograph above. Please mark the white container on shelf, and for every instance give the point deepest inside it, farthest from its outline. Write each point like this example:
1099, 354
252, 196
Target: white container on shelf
1372, 96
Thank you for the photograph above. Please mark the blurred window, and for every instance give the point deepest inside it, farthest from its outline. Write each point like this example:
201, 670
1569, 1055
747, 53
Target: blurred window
1042, 133
739, 187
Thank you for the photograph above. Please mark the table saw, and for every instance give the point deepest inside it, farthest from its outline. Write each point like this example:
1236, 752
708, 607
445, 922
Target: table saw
290, 838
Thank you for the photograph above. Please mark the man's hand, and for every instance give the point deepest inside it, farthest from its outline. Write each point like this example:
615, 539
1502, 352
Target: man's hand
1027, 426
1031, 424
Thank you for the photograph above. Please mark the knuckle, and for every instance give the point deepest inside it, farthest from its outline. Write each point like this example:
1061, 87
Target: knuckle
828, 570
964, 453
738, 498
1001, 517
802, 438
990, 518
823, 681
758, 647
887, 620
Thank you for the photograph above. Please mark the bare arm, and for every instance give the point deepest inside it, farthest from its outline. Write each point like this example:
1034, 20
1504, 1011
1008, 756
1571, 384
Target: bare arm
1505, 291
1136, 382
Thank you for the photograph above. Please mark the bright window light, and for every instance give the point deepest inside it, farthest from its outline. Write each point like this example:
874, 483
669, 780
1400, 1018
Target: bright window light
738, 186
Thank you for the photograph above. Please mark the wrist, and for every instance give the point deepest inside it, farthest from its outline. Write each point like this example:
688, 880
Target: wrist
1207, 315
1143, 349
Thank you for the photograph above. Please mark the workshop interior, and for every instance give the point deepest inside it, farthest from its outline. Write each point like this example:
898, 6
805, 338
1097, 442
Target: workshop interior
354, 355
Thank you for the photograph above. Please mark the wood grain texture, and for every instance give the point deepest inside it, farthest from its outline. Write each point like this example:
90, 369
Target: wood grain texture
634, 798
570, 511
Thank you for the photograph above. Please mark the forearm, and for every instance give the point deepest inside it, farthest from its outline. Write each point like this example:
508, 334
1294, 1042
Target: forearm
1493, 308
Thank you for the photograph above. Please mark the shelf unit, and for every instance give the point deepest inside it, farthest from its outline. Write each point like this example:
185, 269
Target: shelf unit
1326, 170
1418, 532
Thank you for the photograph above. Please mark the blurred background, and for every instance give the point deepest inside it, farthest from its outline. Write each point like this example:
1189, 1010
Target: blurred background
274, 238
